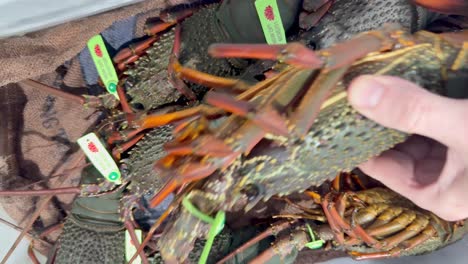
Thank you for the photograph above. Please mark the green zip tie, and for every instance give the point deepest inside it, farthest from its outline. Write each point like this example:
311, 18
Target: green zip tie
270, 19
217, 225
314, 244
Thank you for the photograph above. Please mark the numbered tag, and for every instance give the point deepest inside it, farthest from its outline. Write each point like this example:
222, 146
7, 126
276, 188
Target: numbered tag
270, 19
130, 248
98, 155
103, 63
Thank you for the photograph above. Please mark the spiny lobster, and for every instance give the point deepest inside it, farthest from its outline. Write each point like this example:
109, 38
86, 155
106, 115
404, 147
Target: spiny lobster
303, 150
370, 223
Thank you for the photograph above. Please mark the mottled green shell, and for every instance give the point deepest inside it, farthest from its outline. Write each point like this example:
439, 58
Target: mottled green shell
346, 18
340, 138
185, 227
148, 84
142, 158
93, 232
222, 244
89, 246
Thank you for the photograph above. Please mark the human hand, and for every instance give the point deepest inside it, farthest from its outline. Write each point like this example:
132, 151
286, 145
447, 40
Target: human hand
431, 174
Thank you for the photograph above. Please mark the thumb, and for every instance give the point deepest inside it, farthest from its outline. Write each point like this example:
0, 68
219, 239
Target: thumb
403, 105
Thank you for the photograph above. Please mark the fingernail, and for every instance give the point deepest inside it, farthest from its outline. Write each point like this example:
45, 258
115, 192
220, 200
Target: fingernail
366, 92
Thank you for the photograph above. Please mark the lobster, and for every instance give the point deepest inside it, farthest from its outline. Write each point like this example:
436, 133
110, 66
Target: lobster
187, 43
93, 228
317, 135
370, 223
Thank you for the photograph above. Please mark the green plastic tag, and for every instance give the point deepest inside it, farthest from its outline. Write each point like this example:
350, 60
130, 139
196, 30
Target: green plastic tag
98, 155
130, 248
103, 63
270, 19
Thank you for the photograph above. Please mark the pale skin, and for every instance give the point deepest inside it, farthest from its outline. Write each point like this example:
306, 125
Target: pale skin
431, 168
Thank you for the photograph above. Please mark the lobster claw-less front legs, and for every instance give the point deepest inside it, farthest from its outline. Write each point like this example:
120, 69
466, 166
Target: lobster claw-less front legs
388, 229
134, 51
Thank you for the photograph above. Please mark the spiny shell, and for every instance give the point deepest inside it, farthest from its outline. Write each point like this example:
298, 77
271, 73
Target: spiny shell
148, 83
88, 246
142, 158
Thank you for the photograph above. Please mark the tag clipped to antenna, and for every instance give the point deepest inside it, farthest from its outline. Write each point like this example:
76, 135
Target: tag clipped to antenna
270, 19
100, 157
103, 63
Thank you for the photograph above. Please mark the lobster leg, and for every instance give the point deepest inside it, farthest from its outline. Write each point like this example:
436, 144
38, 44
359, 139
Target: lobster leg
118, 150
271, 231
317, 10
204, 145
67, 190
176, 82
393, 226
418, 225
283, 247
192, 171
124, 102
207, 79
54, 91
339, 225
312, 101
186, 173
134, 51
267, 118
157, 120
427, 233
106, 100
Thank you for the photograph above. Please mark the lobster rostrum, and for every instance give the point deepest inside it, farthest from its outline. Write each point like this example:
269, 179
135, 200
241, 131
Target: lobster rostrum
296, 129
